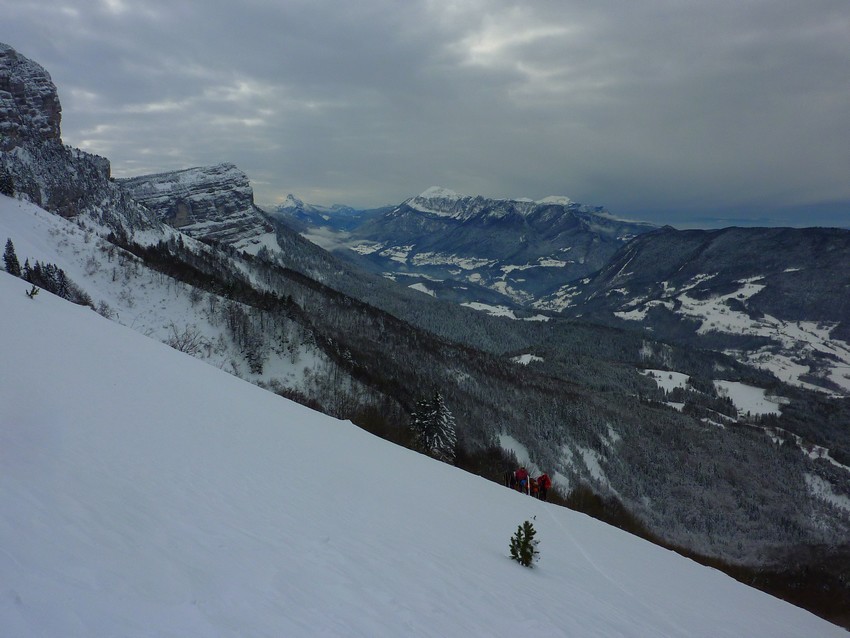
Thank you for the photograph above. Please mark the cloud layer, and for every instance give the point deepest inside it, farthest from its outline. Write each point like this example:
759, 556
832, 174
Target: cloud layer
651, 108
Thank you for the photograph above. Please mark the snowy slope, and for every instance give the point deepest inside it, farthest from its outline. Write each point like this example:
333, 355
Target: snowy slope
136, 296
145, 493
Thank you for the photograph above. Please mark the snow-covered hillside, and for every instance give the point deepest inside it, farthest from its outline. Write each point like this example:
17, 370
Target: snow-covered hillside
144, 493
127, 291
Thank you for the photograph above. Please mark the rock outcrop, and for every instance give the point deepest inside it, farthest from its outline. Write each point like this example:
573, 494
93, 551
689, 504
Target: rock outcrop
61, 179
210, 203
29, 106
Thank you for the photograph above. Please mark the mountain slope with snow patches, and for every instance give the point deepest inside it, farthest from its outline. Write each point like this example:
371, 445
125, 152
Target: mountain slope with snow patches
773, 297
147, 494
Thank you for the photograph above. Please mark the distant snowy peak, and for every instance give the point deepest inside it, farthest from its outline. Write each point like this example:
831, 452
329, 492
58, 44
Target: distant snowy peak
292, 203
442, 202
558, 200
438, 192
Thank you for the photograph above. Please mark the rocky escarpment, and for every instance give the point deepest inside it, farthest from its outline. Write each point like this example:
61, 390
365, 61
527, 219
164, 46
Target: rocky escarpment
61, 179
29, 105
211, 203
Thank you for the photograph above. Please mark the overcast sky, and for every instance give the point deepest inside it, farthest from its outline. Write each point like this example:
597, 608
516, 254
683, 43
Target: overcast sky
669, 110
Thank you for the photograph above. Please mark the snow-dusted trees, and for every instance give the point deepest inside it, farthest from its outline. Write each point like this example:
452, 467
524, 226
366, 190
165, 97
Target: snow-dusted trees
434, 428
244, 323
53, 279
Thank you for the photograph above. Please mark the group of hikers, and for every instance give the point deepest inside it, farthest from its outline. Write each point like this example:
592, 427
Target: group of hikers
520, 481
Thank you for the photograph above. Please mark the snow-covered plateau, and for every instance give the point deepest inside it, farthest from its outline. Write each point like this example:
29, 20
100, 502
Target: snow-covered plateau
145, 493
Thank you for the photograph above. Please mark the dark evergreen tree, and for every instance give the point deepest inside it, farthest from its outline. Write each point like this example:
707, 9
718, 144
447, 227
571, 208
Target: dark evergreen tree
434, 428
419, 421
53, 279
7, 185
10, 259
523, 546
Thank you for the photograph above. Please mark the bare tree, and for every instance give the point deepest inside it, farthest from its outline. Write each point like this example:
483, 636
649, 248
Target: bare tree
190, 340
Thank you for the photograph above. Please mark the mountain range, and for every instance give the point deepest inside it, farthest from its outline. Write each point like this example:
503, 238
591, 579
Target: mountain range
775, 297
471, 249
658, 426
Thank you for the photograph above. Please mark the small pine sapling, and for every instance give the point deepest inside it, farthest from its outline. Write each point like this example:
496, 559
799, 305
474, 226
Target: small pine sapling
523, 546
32, 292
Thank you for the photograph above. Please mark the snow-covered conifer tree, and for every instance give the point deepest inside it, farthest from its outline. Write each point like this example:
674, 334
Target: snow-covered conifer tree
445, 436
434, 426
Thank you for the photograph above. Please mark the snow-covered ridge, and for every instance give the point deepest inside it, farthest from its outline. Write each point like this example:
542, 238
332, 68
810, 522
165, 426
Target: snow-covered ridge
439, 192
208, 202
444, 202
159, 188
558, 200
465, 239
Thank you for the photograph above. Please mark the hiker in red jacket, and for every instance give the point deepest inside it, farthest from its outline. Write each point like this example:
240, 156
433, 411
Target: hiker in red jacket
522, 480
543, 485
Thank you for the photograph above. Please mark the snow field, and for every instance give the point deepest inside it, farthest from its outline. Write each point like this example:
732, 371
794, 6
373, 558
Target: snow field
146, 493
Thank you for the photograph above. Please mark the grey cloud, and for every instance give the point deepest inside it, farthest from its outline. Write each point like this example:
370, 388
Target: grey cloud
693, 107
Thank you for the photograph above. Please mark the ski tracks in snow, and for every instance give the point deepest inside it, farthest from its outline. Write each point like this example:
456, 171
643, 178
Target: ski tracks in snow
602, 572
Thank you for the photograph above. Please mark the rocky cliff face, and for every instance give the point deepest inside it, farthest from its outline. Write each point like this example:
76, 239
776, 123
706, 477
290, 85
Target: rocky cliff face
29, 106
63, 180
211, 203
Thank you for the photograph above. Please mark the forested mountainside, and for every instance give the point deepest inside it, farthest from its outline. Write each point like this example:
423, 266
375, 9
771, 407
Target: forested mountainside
708, 454
775, 297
